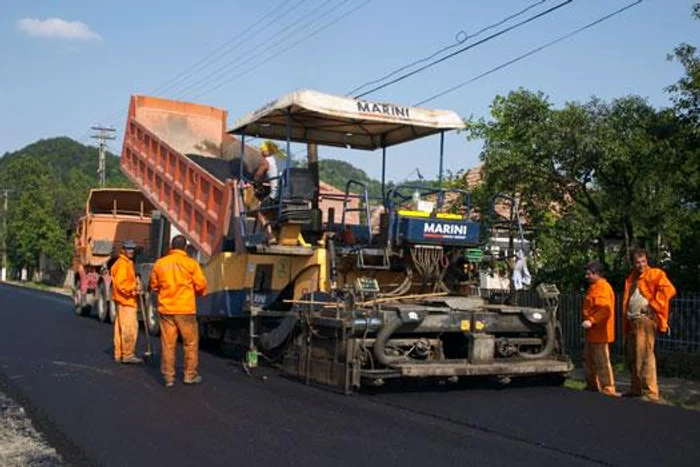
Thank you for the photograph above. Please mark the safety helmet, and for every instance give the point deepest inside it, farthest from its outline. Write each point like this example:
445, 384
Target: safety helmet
129, 245
272, 148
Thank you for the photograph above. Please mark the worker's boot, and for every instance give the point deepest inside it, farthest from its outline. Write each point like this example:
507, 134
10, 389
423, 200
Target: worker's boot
133, 360
196, 380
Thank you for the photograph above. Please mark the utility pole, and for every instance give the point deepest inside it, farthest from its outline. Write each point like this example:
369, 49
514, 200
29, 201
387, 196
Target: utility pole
104, 134
6, 198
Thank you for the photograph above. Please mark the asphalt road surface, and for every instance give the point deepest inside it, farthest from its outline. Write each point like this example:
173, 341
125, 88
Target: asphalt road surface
59, 367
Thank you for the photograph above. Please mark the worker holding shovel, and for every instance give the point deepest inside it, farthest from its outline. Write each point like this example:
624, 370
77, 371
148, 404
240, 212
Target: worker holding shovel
178, 279
125, 291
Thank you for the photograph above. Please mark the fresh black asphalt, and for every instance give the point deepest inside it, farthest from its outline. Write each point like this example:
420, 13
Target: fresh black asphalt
59, 366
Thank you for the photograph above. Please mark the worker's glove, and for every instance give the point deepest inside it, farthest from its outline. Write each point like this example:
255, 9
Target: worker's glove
586, 324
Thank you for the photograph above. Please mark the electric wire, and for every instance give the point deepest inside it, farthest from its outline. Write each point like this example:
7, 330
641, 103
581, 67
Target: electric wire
460, 40
468, 47
219, 85
315, 14
111, 117
270, 17
530, 53
285, 49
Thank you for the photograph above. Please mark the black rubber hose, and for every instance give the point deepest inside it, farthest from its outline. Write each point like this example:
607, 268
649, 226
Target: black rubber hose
334, 262
548, 346
383, 336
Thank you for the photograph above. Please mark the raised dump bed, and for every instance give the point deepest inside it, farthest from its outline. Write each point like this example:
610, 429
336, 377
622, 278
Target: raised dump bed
180, 157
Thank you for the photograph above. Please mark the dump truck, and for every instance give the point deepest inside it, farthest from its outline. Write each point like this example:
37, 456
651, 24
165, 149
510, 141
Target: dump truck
338, 301
112, 215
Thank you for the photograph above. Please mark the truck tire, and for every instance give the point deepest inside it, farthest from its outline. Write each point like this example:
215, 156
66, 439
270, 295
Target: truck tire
152, 324
79, 302
105, 306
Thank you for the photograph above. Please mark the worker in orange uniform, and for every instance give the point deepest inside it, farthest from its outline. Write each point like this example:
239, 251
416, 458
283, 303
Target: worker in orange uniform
645, 308
599, 323
124, 292
178, 279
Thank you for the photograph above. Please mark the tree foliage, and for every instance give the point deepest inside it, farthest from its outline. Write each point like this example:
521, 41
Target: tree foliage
594, 179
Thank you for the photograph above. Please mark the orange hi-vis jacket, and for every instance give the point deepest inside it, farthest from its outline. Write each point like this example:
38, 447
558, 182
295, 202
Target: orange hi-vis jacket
599, 309
123, 281
657, 289
178, 279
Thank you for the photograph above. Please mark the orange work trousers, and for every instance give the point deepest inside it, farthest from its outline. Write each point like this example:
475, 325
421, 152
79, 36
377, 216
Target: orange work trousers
596, 366
639, 353
126, 330
170, 327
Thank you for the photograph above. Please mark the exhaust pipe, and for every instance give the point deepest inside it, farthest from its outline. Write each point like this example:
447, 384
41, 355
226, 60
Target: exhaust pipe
548, 346
383, 336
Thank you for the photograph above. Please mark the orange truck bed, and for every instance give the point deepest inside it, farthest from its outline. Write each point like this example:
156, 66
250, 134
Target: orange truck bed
112, 215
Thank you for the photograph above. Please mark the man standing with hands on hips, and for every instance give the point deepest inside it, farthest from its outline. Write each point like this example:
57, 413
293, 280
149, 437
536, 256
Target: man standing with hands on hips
178, 279
599, 323
645, 309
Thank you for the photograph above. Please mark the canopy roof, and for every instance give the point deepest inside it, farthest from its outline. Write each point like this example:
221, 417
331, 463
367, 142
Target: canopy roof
340, 121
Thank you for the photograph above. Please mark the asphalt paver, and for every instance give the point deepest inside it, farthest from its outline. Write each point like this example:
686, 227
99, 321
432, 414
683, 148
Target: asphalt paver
95, 411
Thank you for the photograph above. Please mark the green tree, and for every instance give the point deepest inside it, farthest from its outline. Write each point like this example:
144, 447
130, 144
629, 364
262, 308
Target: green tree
32, 226
586, 175
685, 94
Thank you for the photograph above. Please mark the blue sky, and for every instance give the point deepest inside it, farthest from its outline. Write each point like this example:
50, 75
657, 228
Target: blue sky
62, 76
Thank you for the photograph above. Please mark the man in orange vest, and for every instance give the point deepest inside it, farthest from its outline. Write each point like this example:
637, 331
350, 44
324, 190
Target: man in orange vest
599, 323
177, 279
645, 308
124, 292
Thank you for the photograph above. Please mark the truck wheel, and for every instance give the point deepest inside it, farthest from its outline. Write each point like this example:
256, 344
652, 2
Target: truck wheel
112, 307
102, 303
152, 324
79, 302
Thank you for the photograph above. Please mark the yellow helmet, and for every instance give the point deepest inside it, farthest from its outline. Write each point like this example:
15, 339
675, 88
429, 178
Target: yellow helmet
272, 148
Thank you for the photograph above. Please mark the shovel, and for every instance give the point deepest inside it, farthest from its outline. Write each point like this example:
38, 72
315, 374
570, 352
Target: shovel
148, 355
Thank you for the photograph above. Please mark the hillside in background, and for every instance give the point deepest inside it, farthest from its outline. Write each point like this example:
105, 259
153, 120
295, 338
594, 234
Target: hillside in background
49, 182
337, 173
62, 154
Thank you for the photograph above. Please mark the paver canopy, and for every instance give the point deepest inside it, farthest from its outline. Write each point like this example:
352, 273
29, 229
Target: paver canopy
340, 121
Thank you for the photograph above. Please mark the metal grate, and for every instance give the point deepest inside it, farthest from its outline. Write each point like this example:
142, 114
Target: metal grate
684, 321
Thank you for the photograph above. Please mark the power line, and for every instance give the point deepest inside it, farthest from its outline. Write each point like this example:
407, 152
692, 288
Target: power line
109, 119
314, 14
460, 40
239, 39
294, 44
262, 59
217, 86
470, 46
531, 52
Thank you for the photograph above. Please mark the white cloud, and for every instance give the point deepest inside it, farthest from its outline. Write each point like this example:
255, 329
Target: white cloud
56, 27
